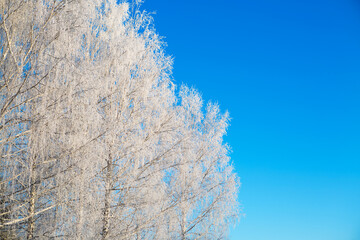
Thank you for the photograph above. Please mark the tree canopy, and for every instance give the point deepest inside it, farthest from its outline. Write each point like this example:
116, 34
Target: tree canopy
95, 141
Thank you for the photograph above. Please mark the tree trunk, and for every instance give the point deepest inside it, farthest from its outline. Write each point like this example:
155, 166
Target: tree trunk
80, 222
31, 210
106, 212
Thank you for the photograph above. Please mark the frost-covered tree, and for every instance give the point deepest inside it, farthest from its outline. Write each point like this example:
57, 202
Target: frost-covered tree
28, 31
95, 143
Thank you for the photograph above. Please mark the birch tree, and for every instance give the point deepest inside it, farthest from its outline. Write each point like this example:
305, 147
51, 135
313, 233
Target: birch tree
27, 33
95, 141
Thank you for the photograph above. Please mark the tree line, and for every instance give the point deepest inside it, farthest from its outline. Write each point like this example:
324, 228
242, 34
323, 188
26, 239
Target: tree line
96, 140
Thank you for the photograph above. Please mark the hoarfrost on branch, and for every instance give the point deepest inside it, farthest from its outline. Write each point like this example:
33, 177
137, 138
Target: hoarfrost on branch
95, 142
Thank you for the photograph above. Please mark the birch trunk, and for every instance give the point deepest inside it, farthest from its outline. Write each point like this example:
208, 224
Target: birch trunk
107, 199
32, 196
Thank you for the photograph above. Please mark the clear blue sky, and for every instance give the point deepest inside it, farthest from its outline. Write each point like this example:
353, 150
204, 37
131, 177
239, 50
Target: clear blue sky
289, 74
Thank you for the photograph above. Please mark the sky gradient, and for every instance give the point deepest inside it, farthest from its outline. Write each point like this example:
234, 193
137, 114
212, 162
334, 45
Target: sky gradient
289, 74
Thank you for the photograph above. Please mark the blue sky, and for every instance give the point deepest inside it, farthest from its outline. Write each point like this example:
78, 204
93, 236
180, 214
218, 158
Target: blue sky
289, 74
